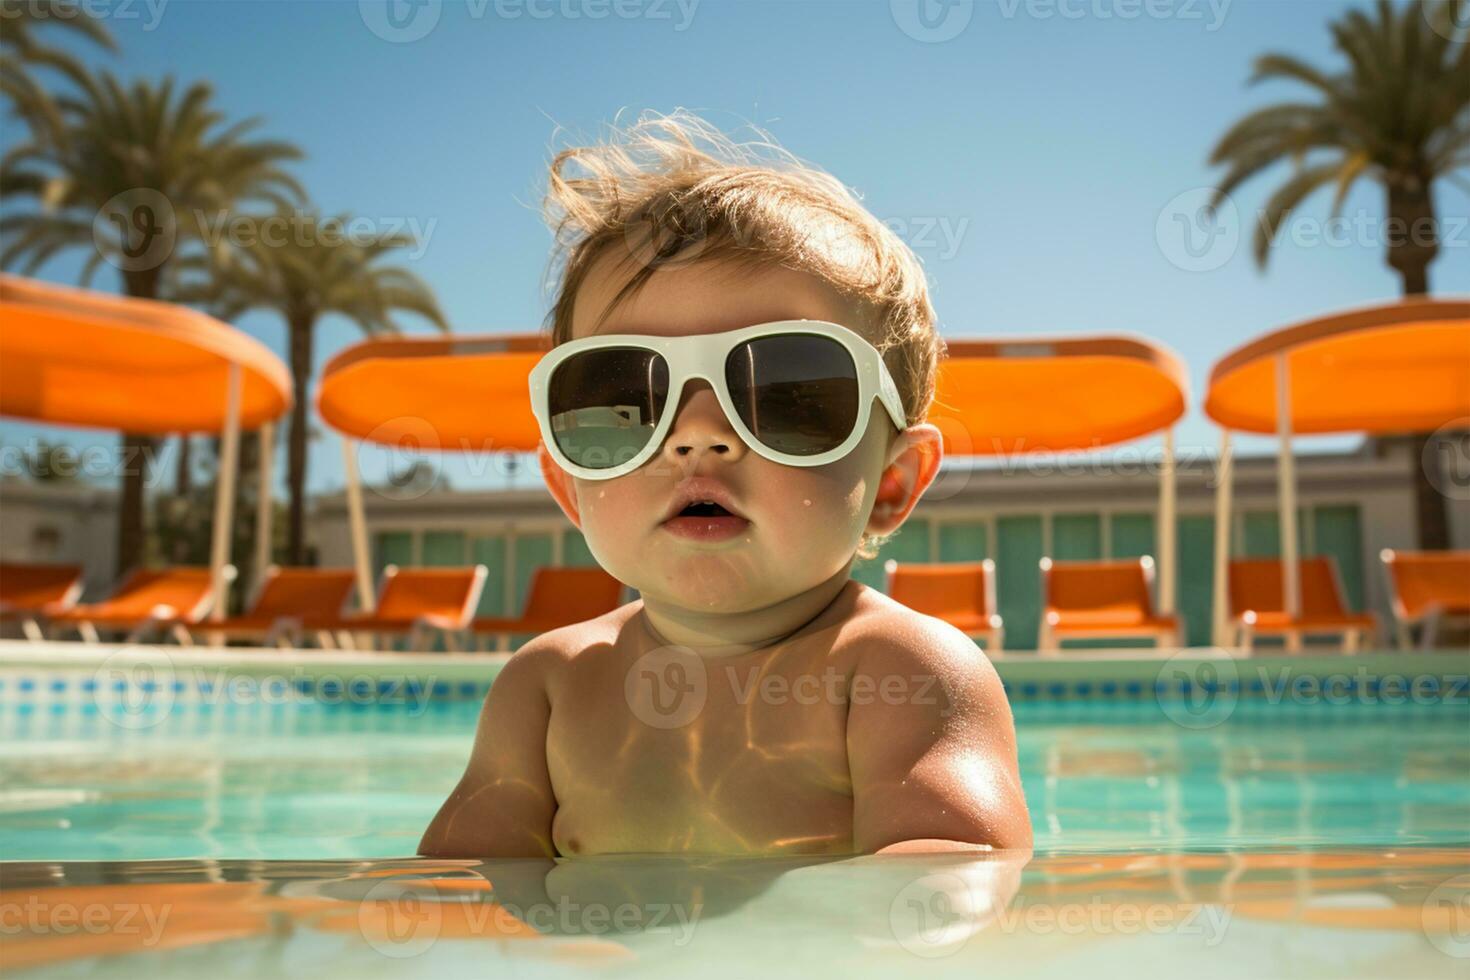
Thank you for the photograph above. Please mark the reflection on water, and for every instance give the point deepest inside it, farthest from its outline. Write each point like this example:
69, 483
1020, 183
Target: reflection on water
308, 781
1363, 912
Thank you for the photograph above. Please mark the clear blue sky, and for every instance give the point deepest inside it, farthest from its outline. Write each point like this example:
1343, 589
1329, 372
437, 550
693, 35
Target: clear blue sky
1027, 158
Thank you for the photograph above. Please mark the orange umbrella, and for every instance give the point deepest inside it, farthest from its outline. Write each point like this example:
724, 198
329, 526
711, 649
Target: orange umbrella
1400, 367
441, 393
1393, 367
1004, 396
78, 357
427, 393
83, 358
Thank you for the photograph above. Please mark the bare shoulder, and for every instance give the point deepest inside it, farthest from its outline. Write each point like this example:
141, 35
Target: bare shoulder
888, 637
556, 649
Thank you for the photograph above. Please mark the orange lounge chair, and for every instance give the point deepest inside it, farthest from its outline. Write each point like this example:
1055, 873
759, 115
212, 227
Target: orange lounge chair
148, 599
1425, 589
962, 593
1101, 599
287, 597
1257, 606
558, 597
33, 593
415, 602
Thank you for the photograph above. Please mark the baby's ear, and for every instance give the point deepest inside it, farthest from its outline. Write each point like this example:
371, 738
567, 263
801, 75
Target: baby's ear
559, 482
913, 463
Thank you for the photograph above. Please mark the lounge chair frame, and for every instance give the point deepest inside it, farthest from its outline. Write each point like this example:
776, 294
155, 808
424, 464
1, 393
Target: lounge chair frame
1049, 638
34, 622
502, 637
991, 638
1430, 620
162, 619
285, 632
1245, 626
345, 636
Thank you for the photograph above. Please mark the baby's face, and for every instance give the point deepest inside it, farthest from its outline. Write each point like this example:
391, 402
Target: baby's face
804, 522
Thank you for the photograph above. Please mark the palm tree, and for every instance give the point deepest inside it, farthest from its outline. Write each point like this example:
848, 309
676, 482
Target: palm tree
134, 175
1399, 114
21, 50
303, 266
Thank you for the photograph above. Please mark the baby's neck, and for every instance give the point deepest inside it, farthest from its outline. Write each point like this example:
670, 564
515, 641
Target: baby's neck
733, 634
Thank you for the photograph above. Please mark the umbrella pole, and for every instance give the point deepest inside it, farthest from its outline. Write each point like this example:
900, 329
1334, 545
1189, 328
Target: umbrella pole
357, 522
224, 498
1220, 594
1168, 529
1291, 587
264, 512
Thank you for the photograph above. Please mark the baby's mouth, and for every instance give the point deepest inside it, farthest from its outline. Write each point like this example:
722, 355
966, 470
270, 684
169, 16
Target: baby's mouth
704, 509
705, 521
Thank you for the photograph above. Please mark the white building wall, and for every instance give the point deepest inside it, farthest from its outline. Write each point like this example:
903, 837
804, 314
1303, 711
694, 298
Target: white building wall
57, 522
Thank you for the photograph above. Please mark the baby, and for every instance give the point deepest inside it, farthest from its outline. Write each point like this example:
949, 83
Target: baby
755, 426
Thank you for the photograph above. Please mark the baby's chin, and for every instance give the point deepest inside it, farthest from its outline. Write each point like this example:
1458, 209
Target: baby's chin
730, 578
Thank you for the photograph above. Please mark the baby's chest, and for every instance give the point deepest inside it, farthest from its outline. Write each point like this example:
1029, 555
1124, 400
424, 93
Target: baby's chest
730, 762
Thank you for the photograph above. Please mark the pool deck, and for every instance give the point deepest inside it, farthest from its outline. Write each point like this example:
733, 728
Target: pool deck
1295, 913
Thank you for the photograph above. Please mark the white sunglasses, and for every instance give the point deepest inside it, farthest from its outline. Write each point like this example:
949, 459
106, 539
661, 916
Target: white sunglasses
798, 392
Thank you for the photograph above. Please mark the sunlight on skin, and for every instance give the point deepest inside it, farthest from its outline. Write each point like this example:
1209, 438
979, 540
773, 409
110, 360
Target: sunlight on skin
765, 639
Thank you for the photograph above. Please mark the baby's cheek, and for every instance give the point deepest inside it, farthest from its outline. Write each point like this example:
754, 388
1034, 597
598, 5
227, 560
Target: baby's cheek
605, 518
823, 509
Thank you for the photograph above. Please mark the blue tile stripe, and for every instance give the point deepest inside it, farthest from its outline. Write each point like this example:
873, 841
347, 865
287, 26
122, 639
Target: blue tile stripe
216, 688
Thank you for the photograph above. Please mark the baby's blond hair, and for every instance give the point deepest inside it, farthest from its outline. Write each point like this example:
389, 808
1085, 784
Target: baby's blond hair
671, 190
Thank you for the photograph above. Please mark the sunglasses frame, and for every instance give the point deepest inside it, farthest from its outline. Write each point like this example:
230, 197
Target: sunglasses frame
703, 356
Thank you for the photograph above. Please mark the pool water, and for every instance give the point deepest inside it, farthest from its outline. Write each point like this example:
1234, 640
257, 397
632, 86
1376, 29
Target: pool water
310, 780
273, 840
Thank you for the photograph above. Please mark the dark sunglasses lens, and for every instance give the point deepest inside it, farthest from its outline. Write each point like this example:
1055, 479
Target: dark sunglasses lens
797, 392
605, 404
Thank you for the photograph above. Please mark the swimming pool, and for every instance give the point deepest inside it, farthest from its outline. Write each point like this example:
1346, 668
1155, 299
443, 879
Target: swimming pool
310, 780
270, 836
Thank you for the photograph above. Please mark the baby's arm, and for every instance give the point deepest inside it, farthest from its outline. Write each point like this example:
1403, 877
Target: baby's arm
504, 804
933, 761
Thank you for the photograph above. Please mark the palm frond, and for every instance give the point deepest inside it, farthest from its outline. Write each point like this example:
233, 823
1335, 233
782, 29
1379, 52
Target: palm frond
1285, 200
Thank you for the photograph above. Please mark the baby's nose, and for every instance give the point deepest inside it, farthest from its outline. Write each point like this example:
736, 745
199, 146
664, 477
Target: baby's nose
701, 425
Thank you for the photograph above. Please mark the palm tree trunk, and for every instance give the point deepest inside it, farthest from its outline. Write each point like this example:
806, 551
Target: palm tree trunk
1413, 231
1414, 243
137, 453
183, 473
300, 326
183, 487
